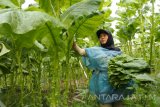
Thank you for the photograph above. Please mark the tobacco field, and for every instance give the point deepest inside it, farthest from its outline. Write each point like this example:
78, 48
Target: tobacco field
39, 68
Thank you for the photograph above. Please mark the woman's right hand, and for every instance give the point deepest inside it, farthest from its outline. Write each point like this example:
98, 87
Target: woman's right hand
78, 49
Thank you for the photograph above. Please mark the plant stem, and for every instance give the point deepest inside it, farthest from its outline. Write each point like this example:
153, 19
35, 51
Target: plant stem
18, 55
152, 36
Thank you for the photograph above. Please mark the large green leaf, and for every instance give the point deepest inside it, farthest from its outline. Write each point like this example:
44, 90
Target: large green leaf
80, 10
88, 25
47, 6
26, 25
7, 3
55, 7
143, 77
76, 18
18, 2
21, 22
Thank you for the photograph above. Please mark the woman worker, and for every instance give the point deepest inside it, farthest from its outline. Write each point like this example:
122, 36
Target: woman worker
97, 58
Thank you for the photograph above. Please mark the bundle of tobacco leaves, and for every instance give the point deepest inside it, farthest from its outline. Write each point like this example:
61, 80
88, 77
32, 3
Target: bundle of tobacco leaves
123, 68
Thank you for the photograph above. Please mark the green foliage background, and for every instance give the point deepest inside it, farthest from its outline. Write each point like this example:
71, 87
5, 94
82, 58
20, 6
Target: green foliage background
39, 67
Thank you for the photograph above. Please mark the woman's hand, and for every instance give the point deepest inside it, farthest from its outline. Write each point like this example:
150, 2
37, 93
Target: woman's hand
78, 49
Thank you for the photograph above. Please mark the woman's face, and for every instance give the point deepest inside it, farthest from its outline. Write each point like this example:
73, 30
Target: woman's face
103, 38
